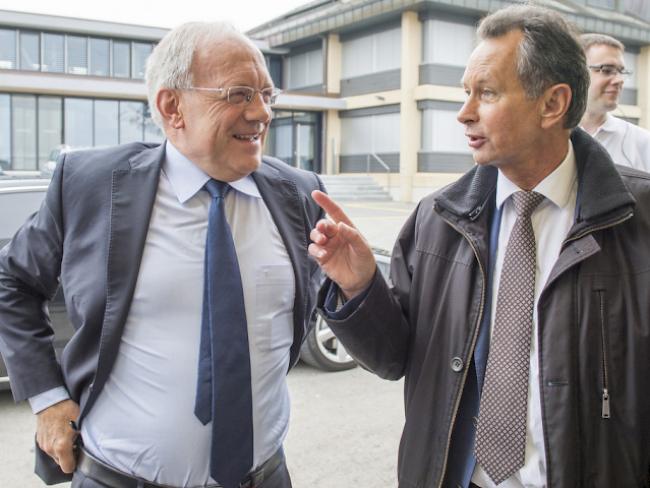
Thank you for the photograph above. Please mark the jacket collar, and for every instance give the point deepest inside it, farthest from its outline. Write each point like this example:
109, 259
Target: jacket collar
601, 190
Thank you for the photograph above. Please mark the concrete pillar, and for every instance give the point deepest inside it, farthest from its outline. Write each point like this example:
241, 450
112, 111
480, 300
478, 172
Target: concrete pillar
643, 86
332, 132
410, 120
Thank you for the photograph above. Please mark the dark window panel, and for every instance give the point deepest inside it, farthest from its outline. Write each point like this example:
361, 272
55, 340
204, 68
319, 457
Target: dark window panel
53, 53
141, 52
121, 59
50, 130
7, 49
100, 57
77, 59
30, 51
23, 125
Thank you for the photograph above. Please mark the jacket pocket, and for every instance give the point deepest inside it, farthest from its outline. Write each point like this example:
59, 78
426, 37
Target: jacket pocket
605, 359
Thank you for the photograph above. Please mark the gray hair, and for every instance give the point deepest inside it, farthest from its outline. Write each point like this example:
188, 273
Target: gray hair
170, 63
592, 39
549, 53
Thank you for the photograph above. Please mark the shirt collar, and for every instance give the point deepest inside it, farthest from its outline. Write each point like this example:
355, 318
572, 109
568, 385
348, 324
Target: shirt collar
556, 187
187, 178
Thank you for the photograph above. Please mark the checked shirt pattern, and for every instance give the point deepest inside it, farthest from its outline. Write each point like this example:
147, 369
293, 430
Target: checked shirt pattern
501, 430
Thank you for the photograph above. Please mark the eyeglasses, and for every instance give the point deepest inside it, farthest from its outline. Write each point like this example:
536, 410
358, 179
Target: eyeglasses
243, 95
609, 70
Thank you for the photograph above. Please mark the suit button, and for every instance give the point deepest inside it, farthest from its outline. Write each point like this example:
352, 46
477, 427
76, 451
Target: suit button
475, 421
457, 364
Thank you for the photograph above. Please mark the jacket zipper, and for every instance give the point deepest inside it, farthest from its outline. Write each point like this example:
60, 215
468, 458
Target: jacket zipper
478, 323
605, 363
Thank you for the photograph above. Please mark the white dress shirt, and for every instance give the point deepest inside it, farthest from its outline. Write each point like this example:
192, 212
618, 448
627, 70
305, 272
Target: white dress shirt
143, 422
627, 144
551, 223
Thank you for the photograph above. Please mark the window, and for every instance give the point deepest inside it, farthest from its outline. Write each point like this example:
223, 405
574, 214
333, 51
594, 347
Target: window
78, 122
274, 65
100, 57
609, 4
141, 52
152, 132
448, 43
305, 69
106, 131
630, 60
53, 53
50, 130
30, 51
441, 132
131, 121
370, 134
77, 50
7, 49
5, 131
373, 53
23, 122
121, 59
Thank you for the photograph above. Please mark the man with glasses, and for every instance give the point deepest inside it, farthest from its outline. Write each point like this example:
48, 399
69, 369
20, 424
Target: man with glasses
628, 144
186, 276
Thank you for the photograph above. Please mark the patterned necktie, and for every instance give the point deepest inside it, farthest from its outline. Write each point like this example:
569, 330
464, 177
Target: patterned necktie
224, 381
501, 431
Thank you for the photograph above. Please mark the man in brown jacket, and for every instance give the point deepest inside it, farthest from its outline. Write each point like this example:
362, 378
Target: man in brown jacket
519, 312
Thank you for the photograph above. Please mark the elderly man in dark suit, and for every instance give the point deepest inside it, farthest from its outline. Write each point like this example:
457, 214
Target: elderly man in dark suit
186, 276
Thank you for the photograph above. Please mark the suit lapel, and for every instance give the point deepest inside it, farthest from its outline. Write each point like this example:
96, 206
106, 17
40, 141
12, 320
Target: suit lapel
282, 199
133, 192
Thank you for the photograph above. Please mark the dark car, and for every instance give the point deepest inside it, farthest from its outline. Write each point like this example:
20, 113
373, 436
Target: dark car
19, 198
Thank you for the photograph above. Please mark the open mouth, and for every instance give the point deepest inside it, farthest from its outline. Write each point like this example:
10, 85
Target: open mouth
247, 137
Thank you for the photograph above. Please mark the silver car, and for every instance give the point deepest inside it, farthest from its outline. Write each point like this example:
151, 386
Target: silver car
19, 198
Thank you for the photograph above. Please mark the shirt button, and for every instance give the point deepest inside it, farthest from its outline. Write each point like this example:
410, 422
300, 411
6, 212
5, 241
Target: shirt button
457, 364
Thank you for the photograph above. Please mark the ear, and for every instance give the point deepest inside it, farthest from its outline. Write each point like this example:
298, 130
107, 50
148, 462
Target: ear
556, 100
169, 105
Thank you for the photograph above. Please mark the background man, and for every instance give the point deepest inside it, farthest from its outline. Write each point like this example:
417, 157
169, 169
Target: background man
518, 312
172, 380
627, 144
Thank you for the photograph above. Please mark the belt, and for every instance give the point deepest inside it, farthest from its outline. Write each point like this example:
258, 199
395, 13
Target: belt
101, 472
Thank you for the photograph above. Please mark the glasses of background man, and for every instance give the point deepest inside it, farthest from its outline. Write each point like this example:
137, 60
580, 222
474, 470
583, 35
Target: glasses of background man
610, 70
242, 95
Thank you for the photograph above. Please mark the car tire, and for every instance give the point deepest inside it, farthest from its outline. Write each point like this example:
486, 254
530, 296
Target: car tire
323, 350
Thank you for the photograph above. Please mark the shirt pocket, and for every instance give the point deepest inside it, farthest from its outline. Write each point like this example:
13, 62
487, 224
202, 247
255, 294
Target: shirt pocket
274, 298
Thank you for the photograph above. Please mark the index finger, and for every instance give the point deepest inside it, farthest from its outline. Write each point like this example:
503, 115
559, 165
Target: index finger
332, 209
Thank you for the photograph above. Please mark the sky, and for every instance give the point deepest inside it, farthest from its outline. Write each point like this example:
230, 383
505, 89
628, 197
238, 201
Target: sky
244, 14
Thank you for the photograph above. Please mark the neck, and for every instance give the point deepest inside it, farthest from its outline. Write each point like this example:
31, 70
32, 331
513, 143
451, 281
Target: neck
528, 174
591, 121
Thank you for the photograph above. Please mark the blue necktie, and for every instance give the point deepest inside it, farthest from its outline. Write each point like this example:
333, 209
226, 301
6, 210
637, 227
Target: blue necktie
224, 381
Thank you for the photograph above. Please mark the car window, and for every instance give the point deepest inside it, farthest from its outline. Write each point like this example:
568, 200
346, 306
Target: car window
16, 204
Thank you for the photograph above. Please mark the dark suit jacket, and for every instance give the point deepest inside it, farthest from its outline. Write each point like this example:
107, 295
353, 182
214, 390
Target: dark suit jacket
89, 236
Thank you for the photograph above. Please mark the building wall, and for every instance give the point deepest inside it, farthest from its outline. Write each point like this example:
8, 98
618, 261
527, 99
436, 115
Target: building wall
390, 112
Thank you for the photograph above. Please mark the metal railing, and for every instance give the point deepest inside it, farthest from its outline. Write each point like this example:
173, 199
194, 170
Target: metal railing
382, 164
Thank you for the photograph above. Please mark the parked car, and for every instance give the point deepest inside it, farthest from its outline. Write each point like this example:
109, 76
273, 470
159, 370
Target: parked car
321, 348
47, 167
24, 196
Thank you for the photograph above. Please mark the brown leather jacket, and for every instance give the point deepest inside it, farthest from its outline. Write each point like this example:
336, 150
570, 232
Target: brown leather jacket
594, 326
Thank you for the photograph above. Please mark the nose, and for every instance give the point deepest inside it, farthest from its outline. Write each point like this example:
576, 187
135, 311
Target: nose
467, 113
257, 110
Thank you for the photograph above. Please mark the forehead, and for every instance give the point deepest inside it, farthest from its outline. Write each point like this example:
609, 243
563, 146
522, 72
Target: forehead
229, 60
493, 58
604, 54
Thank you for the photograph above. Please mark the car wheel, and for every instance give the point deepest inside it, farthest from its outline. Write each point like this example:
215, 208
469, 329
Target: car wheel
324, 351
